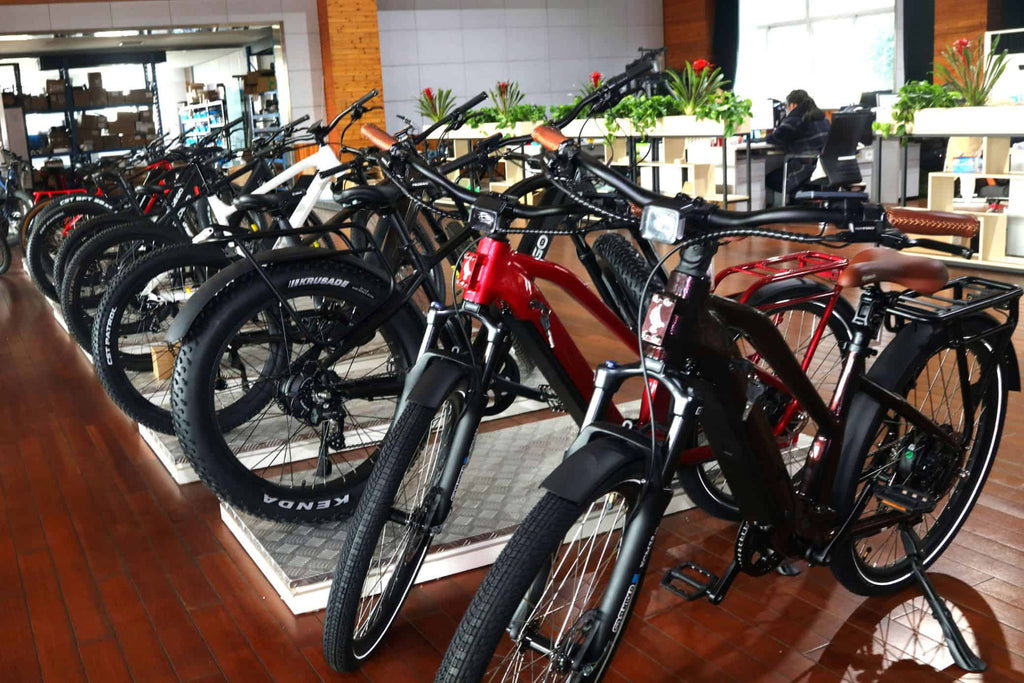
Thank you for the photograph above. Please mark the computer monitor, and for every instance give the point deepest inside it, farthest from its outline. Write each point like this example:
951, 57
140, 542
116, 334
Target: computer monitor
869, 100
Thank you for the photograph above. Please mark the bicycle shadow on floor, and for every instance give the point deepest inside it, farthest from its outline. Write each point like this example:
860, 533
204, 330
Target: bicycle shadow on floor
895, 638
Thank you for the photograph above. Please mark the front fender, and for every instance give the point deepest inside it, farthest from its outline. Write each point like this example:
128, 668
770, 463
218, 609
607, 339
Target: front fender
211, 288
591, 468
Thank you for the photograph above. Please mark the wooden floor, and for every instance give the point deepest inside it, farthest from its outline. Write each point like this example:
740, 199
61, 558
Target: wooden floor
109, 571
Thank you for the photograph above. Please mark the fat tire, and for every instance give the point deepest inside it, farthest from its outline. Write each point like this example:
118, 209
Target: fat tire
80, 235
195, 421
629, 272
80, 322
49, 228
110, 367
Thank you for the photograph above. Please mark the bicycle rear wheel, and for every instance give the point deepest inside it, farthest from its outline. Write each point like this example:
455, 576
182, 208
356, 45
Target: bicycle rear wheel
881, 447
280, 419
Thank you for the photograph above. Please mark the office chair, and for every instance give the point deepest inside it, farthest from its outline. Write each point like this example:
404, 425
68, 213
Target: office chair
838, 157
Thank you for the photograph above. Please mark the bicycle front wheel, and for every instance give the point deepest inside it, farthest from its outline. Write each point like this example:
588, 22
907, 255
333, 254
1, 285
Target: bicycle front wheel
536, 607
391, 529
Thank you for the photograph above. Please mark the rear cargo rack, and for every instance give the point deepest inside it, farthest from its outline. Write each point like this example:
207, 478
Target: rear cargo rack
962, 297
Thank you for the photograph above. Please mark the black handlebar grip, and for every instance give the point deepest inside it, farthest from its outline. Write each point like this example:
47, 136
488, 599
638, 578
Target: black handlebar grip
477, 99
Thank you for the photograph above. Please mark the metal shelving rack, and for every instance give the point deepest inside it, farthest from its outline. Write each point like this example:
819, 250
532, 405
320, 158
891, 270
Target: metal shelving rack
76, 155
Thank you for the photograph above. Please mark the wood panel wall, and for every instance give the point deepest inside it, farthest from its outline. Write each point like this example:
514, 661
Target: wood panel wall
350, 46
963, 19
688, 26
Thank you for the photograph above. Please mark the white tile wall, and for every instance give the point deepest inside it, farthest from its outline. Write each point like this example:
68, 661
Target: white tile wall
199, 12
549, 46
25, 18
145, 13
84, 15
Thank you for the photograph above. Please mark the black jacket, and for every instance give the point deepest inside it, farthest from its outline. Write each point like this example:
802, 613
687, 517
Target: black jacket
797, 135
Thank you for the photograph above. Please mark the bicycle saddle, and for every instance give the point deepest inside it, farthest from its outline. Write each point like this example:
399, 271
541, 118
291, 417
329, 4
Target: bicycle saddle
382, 193
879, 264
270, 202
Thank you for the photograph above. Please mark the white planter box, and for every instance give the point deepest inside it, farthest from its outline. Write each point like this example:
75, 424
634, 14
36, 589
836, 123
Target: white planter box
586, 128
970, 121
691, 126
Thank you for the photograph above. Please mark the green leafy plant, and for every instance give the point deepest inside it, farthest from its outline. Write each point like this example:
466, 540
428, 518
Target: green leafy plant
968, 73
643, 113
725, 107
435, 106
914, 96
560, 110
482, 115
695, 84
506, 95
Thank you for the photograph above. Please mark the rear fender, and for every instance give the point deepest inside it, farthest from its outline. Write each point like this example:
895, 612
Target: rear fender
211, 288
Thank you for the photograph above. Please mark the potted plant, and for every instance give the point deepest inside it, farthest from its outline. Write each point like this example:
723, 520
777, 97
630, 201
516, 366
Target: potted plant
706, 107
913, 97
435, 106
970, 75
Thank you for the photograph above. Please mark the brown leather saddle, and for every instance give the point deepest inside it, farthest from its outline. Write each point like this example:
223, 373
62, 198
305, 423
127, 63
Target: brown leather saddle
879, 264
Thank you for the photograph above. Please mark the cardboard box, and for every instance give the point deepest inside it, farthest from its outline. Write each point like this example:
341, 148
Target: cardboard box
111, 141
57, 100
146, 115
145, 127
256, 82
139, 97
163, 360
9, 99
37, 102
115, 99
96, 98
54, 86
95, 80
93, 122
124, 124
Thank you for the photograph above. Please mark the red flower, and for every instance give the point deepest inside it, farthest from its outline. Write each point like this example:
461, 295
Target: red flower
595, 78
503, 86
701, 64
429, 94
960, 45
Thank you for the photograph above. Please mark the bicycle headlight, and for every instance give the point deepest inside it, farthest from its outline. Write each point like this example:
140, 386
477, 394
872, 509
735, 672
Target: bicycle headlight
662, 223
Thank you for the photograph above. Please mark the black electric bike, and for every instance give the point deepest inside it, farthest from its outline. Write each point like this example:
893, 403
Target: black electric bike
899, 458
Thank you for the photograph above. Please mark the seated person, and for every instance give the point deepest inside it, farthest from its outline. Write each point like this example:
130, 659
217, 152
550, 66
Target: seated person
803, 131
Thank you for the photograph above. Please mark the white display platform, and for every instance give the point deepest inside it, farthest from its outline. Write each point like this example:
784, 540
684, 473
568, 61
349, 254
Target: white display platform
170, 454
499, 487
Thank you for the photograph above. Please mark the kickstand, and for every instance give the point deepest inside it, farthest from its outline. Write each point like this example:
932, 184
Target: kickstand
958, 647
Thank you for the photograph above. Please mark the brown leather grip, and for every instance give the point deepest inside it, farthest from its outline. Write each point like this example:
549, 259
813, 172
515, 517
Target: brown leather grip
921, 222
550, 138
378, 137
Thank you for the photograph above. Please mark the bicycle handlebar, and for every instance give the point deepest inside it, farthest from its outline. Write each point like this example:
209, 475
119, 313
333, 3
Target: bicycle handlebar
453, 115
905, 220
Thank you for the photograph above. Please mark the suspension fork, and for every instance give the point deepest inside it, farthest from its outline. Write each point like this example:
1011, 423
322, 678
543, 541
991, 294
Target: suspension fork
638, 536
498, 344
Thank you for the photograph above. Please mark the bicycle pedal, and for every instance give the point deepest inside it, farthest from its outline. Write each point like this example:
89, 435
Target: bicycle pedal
700, 580
904, 499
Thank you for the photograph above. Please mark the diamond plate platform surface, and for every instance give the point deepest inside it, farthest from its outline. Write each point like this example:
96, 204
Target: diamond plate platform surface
499, 487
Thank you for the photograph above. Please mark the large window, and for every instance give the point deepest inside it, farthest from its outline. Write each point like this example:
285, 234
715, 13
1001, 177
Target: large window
833, 50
